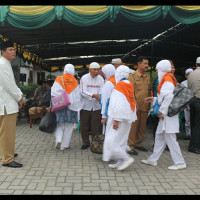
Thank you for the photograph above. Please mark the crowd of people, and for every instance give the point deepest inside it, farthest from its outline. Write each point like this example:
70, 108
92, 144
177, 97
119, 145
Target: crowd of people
116, 99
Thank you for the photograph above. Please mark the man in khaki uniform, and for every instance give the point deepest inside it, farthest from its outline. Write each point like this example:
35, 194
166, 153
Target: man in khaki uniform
11, 99
142, 87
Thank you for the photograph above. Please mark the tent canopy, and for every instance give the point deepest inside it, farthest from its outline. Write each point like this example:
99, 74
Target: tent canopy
108, 31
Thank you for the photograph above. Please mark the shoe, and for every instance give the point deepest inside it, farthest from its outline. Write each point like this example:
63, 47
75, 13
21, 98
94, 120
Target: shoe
197, 151
126, 164
147, 162
13, 164
58, 145
186, 138
133, 152
63, 148
85, 146
141, 148
113, 166
177, 167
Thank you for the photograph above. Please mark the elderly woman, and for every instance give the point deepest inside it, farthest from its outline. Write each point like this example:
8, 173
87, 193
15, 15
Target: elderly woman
167, 126
67, 117
121, 113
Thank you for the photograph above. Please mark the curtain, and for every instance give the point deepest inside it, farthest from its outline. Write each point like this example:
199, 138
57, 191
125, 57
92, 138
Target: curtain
32, 17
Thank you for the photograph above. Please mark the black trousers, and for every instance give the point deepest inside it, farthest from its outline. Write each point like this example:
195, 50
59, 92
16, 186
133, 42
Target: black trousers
195, 125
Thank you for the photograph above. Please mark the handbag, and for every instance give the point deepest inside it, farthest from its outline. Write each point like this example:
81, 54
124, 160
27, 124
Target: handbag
156, 107
61, 101
183, 97
96, 145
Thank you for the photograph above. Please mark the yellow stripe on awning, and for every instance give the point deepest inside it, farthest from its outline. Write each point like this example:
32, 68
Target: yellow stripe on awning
138, 7
30, 10
88, 10
78, 66
197, 7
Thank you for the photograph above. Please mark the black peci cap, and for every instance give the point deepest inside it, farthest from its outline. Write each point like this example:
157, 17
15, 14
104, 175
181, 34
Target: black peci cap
6, 44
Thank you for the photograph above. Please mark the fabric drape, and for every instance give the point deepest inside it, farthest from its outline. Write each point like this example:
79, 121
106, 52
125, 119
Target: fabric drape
32, 17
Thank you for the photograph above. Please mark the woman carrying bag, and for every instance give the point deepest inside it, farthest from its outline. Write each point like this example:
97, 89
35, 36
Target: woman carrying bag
67, 117
167, 126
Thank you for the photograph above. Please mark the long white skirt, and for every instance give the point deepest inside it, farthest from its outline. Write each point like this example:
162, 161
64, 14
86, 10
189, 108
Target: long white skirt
115, 142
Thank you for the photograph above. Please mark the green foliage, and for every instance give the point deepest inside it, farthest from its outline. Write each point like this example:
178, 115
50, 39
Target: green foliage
28, 90
153, 75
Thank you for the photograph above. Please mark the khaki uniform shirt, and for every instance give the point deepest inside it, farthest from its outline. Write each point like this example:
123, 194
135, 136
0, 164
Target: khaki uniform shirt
142, 89
194, 82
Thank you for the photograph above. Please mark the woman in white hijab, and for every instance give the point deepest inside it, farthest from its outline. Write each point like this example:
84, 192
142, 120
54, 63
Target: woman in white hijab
167, 126
121, 113
109, 74
67, 117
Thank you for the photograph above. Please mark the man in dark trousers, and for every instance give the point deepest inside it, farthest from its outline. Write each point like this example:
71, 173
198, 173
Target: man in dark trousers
193, 84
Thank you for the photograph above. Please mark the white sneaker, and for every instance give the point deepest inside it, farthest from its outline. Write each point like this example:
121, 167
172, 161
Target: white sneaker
63, 148
147, 162
177, 167
126, 164
58, 145
113, 166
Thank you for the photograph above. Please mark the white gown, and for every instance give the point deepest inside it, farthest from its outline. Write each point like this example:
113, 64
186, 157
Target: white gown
64, 131
115, 142
167, 128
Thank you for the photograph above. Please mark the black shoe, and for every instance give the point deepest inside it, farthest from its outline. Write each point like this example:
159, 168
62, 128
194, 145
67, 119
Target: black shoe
141, 148
133, 152
197, 151
85, 146
186, 138
13, 164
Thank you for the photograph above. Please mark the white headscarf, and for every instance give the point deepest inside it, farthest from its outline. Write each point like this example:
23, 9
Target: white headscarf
121, 72
163, 67
108, 70
69, 69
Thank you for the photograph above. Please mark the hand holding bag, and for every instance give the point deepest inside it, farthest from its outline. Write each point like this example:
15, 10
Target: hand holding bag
61, 101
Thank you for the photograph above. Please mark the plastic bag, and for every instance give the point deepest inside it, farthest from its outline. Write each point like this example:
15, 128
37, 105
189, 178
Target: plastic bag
48, 123
156, 107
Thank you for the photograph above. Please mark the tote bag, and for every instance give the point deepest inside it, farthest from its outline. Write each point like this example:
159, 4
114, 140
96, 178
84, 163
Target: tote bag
61, 101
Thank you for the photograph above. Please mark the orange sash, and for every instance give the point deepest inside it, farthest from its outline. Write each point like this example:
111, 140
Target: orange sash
128, 90
112, 80
70, 82
167, 77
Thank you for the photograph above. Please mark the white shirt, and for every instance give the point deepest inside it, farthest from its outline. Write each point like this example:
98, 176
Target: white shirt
90, 86
10, 94
168, 124
119, 108
185, 83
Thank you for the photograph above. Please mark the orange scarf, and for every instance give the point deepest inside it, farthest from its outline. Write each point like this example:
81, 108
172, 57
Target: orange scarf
112, 80
167, 77
128, 90
70, 82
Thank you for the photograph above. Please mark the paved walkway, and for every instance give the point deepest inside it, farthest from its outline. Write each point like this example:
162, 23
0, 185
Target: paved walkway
50, 171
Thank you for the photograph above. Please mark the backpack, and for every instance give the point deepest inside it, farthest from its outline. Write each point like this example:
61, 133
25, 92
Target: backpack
183, 96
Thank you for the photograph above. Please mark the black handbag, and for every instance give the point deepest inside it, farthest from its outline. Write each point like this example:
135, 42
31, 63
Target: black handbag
96, 145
